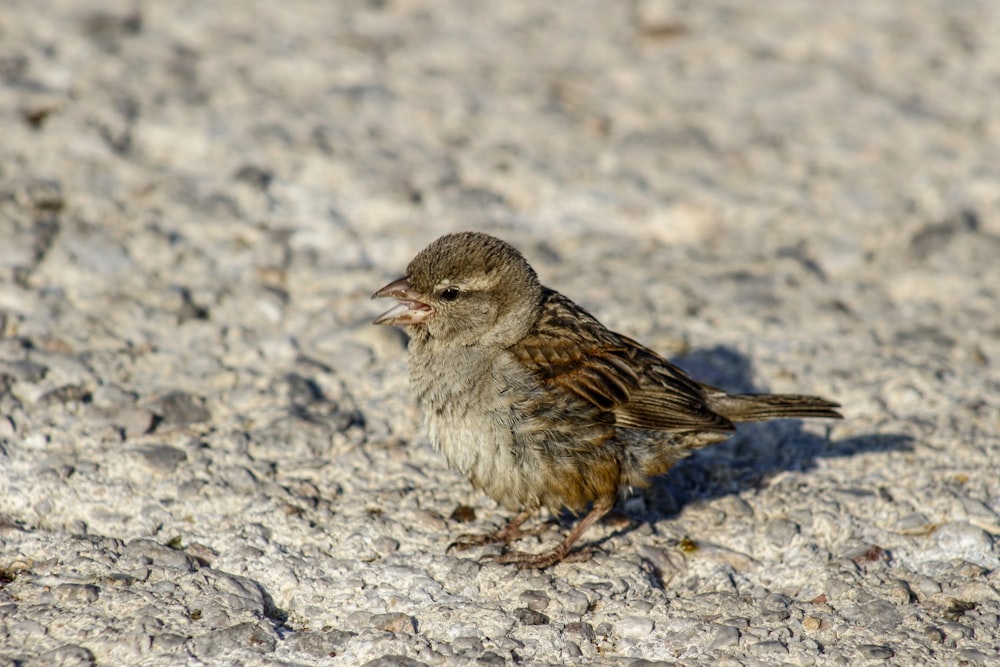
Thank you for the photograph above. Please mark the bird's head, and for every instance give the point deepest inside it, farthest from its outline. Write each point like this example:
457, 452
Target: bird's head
466, 288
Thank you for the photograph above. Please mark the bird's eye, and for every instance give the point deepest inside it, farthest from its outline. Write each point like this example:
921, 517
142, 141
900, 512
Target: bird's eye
450, 293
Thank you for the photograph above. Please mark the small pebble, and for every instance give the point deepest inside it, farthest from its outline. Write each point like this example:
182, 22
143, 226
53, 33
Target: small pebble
915, 523
975, 657
69, 393
775, 615
316, 644
394, 661
769, 648
580, 630
112, 397
725, 636
899, 591
527, 616
957, 631
837, 588
465, 569
959, 539
490, 659
878, 615
467, 644
570, 650
358, 619
976, 591
574, 602
24, 371
634, 627
68, 655
535, 599
84, 593
386, 545
134, 421
393, 622
780, 532
641, 606
875, 652
926, 587
178, 408
163, 459
935, 635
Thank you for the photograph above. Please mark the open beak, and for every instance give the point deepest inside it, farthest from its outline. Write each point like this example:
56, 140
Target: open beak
409, 310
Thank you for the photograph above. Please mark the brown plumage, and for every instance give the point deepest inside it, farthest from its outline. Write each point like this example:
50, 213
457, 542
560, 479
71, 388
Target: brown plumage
537, 402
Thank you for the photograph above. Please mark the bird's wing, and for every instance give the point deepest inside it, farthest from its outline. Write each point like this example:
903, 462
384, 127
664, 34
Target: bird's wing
568, 350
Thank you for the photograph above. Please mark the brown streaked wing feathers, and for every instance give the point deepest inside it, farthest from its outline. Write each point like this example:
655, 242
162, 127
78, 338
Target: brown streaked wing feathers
612, 372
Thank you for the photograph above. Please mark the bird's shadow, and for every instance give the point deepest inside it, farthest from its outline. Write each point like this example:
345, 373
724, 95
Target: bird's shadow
756, 452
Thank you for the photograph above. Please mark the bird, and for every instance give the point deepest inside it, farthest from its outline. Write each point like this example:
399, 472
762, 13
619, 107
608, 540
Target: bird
540, 405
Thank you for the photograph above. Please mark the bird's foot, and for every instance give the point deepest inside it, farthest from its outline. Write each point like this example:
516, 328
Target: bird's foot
526, 561
505, 535
470, 541
510, 532
563, 551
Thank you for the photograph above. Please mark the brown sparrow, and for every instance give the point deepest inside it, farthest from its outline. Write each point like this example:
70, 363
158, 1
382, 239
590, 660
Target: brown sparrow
538, 403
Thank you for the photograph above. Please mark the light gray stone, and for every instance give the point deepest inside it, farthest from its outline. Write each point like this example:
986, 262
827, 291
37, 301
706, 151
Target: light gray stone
959, 539
163, 459
634, 627
878, 614
535, 599
875, 652
725, 636
256, 637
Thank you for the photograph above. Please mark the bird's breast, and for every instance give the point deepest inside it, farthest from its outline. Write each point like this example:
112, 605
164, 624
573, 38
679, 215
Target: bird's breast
470, 403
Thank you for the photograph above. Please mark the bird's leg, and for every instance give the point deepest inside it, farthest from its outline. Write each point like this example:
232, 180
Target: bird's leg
544, 560
510, 532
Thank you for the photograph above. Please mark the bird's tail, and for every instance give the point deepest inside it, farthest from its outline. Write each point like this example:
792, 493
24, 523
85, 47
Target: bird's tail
763, 407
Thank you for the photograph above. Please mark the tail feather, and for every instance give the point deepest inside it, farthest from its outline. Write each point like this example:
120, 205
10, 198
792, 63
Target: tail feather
763, 407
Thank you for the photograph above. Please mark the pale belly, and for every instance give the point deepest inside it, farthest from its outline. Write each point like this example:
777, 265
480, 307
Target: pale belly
472, 418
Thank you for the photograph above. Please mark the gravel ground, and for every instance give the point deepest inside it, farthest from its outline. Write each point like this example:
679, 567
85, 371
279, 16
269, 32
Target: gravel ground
208, 456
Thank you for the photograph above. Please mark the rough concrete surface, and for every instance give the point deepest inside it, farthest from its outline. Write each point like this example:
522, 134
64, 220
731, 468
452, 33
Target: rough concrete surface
208, 456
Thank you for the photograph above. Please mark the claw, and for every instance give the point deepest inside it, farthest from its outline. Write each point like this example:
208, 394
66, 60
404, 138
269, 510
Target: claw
526, 561
470, 541
562, 552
